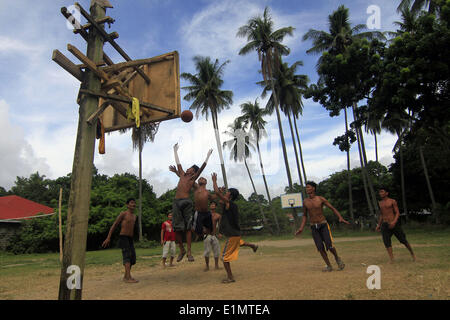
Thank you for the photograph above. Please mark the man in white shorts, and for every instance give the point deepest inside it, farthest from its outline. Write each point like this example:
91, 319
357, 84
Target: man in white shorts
168, 240
211, 242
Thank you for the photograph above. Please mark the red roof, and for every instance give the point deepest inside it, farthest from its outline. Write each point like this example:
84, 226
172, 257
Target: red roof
15, 207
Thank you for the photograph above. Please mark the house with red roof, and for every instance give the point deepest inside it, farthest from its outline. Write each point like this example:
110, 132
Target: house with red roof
13, 211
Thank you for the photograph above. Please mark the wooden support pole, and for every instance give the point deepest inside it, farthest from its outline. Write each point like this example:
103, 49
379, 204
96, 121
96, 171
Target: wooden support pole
72, 270
67, 65
109, 39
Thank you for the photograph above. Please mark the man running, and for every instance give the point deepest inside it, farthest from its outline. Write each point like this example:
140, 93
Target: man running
126, 219
313, 208
389, 223
182, 205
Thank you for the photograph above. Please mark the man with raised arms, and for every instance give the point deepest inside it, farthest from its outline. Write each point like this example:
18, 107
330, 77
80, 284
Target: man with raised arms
182, 206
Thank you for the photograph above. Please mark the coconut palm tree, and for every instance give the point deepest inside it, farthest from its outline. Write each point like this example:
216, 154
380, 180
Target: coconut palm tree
239, 146
267, 43
139, 136
417, 5
288, 87
252, 118
204, 90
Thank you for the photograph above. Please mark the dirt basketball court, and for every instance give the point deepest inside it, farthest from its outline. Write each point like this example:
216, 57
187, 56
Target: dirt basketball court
279, 270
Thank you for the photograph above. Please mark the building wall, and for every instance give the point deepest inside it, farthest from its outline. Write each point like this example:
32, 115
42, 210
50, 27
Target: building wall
7, 230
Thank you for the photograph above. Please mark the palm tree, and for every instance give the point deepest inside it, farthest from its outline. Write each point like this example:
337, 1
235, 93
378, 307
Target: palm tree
240, 145
252, 116
207, 96
289, 88
267, 43
417, 5
139, 136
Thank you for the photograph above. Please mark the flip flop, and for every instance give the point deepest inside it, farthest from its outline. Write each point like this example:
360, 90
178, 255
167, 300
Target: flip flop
180, 256
190, 258
228, 280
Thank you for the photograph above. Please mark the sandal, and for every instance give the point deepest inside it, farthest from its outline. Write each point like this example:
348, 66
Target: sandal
190, 258
255, 248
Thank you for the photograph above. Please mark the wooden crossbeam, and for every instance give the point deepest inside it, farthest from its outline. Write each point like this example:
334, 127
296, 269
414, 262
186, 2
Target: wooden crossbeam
83, 32
110, 40
97, 71
88, 25
123, 65
126, 100
67, 65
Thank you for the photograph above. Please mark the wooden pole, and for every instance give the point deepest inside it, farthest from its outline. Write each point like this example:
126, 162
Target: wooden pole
80, 188
60, 228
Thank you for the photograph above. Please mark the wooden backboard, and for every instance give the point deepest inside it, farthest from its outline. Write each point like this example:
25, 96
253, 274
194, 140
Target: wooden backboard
162, 91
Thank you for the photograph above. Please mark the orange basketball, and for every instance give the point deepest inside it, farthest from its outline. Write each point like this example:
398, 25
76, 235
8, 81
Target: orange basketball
186, 116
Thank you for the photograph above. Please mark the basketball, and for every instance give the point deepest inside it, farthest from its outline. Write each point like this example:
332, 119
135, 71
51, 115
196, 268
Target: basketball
186, 116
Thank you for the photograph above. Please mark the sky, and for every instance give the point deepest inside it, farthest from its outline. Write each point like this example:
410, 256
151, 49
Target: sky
39, 113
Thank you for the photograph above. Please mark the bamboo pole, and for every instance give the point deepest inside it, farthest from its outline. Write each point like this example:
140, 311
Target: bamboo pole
60, 228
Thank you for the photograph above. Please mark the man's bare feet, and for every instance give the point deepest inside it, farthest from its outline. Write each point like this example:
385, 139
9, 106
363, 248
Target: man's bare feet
255, 247
206, 269
131, 280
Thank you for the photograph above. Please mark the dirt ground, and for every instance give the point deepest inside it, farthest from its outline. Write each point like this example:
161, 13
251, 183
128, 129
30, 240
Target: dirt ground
279, 270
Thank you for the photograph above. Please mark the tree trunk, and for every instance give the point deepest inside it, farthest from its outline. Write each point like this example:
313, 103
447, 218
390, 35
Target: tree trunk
350, 193
363, 173
376, 146
254, 190
296, 156
219, 149
402, 177
283, 144
300, 151
267, 188
430, 189
81, 180
140, 184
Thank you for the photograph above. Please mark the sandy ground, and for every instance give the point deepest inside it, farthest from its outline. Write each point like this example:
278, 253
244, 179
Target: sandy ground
279, 270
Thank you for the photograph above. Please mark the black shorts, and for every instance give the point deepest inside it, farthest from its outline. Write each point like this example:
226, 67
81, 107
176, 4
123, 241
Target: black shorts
387, 233
202, 219
321, 234
128, 252
183, 212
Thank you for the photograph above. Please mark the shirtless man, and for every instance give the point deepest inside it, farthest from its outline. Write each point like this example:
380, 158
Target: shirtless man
182, 205
126, 219
313, 207
211, 243
389, 225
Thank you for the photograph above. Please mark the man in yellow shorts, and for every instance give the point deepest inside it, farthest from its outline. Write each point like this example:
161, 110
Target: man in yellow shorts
229, 227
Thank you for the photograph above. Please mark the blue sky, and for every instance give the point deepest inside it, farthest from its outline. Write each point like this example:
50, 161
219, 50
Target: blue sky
39, 114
